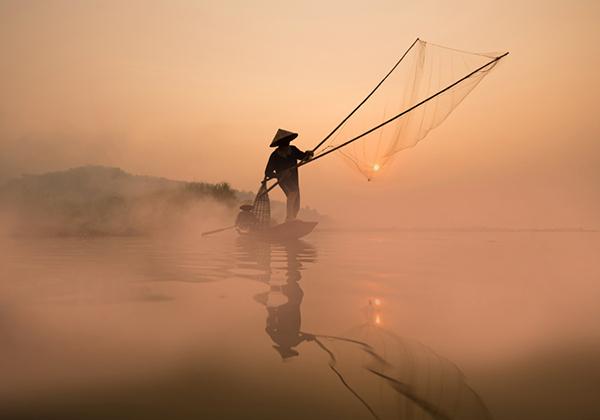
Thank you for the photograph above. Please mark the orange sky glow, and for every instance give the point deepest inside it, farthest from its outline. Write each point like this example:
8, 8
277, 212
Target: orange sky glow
195, 90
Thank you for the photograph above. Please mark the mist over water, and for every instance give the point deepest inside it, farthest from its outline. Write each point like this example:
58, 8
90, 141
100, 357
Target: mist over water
97, 200
217, 327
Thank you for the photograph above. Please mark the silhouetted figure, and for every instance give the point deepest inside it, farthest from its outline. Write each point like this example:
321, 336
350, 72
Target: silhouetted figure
279, 166
245, 219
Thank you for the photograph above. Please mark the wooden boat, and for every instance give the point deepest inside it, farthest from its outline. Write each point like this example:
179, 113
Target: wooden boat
285, 231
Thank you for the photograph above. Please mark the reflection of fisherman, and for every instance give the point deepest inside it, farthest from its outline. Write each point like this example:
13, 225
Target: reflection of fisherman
282, 159
283, 322
245, 219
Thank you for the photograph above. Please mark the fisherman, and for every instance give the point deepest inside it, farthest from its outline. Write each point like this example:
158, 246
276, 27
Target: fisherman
245, 219
280, 165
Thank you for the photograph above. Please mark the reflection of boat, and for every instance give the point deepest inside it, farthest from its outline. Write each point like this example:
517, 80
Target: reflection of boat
285, 231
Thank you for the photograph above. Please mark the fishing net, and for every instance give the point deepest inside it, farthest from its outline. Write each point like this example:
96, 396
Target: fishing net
262, 208
418, 94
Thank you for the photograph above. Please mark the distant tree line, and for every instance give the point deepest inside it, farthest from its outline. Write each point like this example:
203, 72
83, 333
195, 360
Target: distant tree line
95, 200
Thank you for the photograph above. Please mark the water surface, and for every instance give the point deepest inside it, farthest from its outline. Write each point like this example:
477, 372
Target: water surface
353, 325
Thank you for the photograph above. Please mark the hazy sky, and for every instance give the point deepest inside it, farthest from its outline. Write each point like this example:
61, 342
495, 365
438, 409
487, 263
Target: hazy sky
195, 90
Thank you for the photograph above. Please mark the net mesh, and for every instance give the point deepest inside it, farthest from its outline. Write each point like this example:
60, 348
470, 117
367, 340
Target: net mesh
262, 208
426, 71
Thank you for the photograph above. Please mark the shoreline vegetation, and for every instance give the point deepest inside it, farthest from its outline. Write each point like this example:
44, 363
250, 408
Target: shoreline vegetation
107, 201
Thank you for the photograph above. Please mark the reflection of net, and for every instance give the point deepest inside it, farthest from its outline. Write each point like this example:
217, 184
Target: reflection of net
437, 78
399, 378
262, 208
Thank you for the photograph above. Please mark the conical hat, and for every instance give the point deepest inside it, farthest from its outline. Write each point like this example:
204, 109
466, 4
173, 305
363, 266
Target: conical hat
282, 135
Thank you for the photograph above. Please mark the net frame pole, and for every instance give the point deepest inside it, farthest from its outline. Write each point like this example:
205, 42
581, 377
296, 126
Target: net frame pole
402, 113
365, 100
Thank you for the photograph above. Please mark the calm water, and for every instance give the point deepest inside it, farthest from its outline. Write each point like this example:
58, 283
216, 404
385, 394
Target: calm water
340, 325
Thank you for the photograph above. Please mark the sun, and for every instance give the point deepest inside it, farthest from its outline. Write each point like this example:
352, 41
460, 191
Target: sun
376, 167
